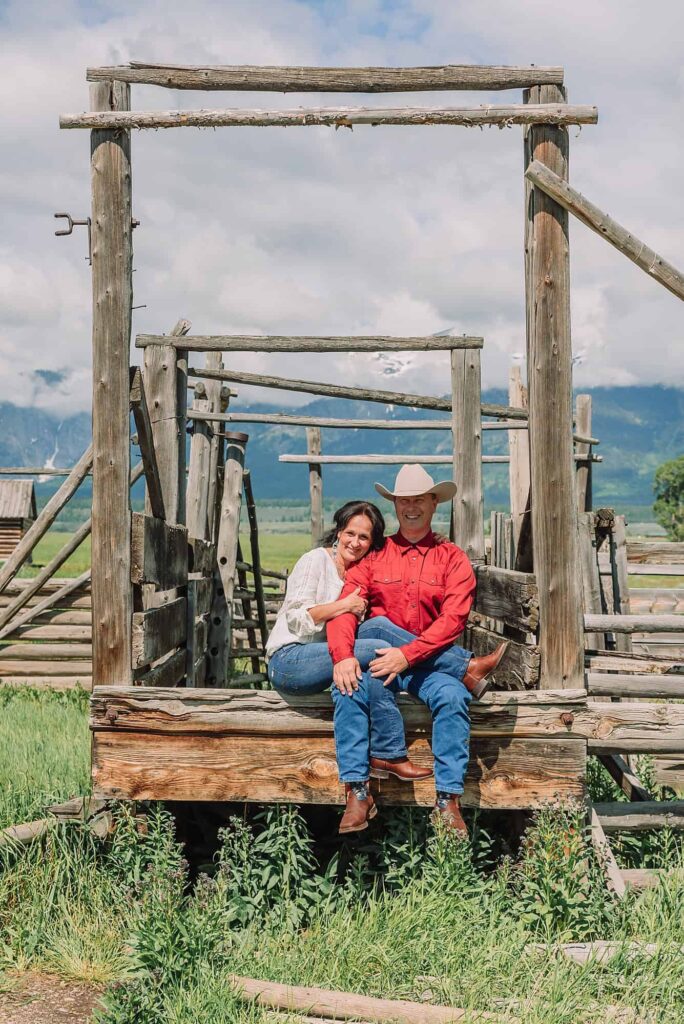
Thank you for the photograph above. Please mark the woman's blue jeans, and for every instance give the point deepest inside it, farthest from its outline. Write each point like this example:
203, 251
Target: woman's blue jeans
308, 668
437, 682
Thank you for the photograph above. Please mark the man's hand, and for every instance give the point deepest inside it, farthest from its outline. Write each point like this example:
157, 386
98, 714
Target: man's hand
346, 675
390, 662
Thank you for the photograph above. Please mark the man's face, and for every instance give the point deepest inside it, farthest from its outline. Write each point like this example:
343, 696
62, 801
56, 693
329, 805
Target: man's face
415, 513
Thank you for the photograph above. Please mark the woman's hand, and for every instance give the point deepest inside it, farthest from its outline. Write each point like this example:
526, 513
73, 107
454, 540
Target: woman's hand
356, 604
346, 675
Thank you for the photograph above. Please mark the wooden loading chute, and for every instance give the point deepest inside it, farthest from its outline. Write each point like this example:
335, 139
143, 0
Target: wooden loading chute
201, 743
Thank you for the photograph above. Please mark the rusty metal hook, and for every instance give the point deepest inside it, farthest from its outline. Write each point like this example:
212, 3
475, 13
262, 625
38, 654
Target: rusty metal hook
76, 223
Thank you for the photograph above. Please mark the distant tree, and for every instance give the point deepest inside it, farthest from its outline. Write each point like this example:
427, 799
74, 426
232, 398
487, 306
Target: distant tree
669, 491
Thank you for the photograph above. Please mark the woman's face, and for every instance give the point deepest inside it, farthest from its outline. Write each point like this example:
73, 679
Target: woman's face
355, 539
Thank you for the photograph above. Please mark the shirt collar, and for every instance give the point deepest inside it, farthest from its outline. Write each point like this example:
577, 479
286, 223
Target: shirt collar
423, 545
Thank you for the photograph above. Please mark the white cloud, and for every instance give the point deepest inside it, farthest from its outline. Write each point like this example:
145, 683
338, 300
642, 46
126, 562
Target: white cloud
316, 231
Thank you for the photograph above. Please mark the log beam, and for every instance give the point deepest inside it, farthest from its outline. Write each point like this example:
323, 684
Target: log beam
340, 391
308, 343
619, 237
250, 78
336, 117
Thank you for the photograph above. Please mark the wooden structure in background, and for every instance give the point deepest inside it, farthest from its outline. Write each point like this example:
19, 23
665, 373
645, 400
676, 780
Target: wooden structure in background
158, 740
17, 512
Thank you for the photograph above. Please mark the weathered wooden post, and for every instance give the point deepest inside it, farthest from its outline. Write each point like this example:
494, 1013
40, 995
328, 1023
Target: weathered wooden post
313, 448
112, 254
219, 395
519, 466
227, 546
549, 369
583, 472
466, 430
198, 472
165, 373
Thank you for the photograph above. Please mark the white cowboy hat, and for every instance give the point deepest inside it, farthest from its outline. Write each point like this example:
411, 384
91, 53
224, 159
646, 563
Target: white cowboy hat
412, 480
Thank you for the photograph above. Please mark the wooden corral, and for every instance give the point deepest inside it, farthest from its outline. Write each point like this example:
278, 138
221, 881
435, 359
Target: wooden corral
163, 622
17, 512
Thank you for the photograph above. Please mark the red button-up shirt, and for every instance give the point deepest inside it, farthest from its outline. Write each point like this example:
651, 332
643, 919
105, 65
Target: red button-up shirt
426, 588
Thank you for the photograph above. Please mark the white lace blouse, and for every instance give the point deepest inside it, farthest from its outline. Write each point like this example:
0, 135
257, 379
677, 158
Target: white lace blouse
313, 581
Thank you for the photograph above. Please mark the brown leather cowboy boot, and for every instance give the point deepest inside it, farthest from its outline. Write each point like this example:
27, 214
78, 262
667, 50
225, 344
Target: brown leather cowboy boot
449, 814
402, 769
475, 680
357, 813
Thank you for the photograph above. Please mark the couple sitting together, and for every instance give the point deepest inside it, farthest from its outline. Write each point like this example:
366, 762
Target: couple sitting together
376, 615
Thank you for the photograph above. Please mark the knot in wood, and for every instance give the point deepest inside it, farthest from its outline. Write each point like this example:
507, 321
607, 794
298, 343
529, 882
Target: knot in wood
567, 718
111, 714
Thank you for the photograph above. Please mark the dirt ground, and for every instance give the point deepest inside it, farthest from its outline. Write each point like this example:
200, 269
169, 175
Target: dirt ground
45, 999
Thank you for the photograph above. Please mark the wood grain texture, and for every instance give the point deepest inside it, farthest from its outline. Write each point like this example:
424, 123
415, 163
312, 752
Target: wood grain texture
651, 686
302, 79
336, 117
201, 556
515, 773
161, 387
659, 552
468, 502
394, 459
159, 552
549, 362
306, 343
112, 254
341, 391
166, 672
635, 727
46, 518
59, 597
618, 817
591, 582
32, 668
619, 237
313, 448
141, 415
639, 664
198, 470
327, 1004
158, 631
40, 682
512, 597
255, 568
634, 623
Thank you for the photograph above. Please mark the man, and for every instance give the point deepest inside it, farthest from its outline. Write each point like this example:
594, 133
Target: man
420, 590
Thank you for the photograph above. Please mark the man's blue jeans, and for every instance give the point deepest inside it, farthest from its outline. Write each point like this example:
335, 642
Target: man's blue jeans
308, 668
437, 681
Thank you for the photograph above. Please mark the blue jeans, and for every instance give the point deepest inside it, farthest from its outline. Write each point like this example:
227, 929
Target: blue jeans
308, 668
435, 681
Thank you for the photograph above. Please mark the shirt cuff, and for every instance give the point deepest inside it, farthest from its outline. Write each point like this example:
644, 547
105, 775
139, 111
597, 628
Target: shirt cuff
411, 654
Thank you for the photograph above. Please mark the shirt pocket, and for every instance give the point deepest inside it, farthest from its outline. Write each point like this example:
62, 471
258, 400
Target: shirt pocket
387, 581
432, 579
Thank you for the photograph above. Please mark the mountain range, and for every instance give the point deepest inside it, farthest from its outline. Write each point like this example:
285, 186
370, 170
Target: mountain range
638, 427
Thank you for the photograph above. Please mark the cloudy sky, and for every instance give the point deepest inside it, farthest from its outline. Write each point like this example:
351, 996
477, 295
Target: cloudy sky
312, 231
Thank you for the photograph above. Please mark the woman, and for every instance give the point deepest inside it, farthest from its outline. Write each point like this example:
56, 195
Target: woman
298, 656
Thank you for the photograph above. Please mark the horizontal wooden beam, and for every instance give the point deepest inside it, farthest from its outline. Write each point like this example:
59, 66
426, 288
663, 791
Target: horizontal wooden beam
383, 460
336, 117
657, 552
509, 596
634, 728
310, 387
301, 343
158, 631
247, 78
634, 623
38, 471
618, 236
159, 552
652, 569
619, 817
293, 420
394, 459
653, 686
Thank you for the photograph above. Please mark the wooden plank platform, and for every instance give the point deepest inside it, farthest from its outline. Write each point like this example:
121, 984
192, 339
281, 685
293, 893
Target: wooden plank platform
254, 746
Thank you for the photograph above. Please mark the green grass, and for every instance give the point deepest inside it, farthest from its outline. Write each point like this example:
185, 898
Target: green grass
403, 913
48, 547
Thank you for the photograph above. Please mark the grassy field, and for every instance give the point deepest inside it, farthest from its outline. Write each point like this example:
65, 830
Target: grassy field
278, 551
402, 913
